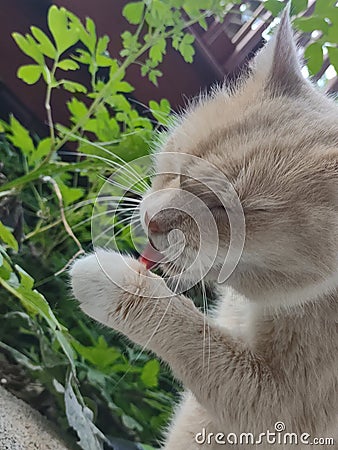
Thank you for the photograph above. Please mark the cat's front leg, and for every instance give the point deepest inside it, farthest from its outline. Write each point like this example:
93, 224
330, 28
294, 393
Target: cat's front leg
120, 292
222, 374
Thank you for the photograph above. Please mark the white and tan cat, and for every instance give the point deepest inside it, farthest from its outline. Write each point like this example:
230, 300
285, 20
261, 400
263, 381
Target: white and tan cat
272, 341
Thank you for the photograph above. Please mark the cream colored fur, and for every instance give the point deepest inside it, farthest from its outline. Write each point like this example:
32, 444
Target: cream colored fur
269, 351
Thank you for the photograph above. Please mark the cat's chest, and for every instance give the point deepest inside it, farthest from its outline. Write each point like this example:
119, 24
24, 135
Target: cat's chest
234, 314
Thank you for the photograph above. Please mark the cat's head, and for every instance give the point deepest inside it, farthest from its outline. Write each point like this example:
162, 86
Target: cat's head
265, 152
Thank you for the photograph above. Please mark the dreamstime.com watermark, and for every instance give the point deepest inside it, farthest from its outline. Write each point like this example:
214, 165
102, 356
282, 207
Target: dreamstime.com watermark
277, 437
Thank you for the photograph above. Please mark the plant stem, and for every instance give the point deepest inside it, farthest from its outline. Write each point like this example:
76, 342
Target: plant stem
66, 225
48, 106
42, 229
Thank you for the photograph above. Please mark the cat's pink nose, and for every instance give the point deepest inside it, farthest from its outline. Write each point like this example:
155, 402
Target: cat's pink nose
152, 224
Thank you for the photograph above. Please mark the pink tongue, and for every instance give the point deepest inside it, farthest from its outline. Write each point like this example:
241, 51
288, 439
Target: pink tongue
150, 257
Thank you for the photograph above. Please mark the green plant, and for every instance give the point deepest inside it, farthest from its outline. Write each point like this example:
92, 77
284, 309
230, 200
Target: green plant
323, 21
89, 374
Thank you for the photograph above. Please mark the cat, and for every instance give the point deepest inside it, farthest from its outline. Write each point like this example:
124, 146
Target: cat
266, 359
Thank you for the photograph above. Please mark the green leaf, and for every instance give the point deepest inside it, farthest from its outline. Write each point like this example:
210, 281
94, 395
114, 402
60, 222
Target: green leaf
314, 56
325, 7
77, 108
309, 24
30, 74
158, 50
66, 347
186, 49
45, 45
57, 23
160, 111
298, 6
123, 86
159, 14
333, 55
101, 355
69, 194
80, 419
130, 44
165, 106
150, 372
64, 32
133, 12
131, 423
20, 137
29, 47
203, 23
7, 237
153, 75
102, 45
275, 6
42, 150
26, 281
176, 39
332, 34
119, 102
72, 86
68, 64
104, 61
82, 56
33, 301
5, 272
21, 358
91, 29
51, 169
115, 72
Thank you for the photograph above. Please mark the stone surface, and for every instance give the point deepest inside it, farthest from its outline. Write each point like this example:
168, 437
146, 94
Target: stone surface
22, 428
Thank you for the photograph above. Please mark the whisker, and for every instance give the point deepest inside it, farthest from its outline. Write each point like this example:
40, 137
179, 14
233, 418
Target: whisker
114, 213
114, 225
136, 224
134, 178
125, 187
118, 141
109, 152
88, 219
120, 211
168, 269
125, 219
148, 109
114, 165
116, 184
205, 320
98, 199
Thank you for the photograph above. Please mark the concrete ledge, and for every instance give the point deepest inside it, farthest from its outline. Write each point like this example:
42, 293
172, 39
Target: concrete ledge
22, 428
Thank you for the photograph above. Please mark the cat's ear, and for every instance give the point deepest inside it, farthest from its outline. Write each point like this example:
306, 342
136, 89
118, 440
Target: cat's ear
278, 62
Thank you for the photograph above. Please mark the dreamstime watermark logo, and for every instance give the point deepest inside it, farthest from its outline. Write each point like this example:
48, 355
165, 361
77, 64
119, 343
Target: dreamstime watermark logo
279, 436
190, 191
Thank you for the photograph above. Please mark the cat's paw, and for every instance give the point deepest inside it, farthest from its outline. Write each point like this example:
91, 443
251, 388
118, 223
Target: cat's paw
106, 282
